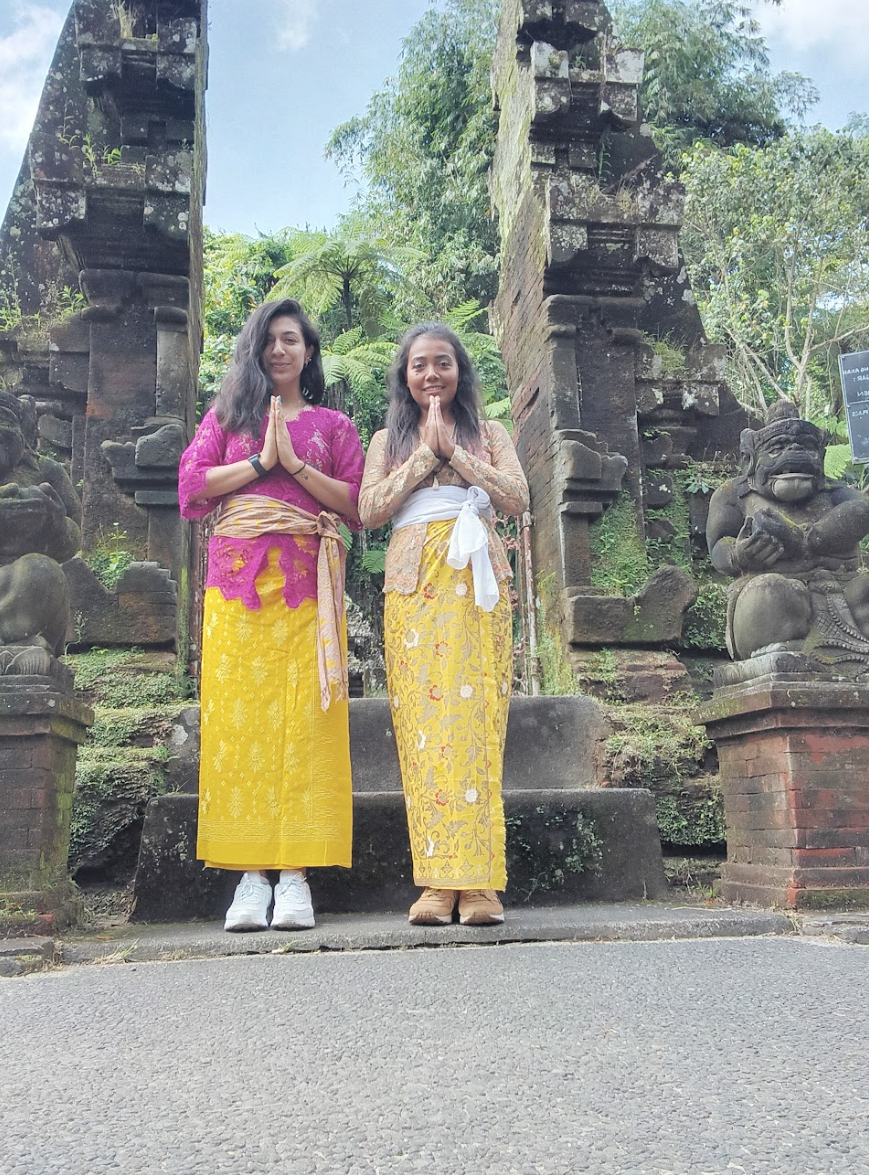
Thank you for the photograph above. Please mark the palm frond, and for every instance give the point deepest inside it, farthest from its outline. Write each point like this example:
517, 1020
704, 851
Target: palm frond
374, 560
498, 409
836, 460
460, 317
346, 342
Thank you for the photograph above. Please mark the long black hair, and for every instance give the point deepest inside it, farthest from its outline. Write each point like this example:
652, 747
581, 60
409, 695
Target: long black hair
243, 399
404, 414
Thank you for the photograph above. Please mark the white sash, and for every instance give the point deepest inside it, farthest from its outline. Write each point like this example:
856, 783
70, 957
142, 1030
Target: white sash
469, 539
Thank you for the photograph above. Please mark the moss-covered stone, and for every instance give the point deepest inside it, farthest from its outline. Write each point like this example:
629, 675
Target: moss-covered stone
112, 787
138, 702
658, 747
121, 678
620, 561
705, 623
569, 846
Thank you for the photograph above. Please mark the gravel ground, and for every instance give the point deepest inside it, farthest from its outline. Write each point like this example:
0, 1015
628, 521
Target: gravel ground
658, 1058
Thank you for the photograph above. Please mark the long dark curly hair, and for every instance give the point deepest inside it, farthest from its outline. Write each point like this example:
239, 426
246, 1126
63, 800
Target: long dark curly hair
243, 399
404, 414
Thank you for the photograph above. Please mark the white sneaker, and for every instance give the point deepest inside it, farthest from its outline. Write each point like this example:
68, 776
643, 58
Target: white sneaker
293, 908
250, 906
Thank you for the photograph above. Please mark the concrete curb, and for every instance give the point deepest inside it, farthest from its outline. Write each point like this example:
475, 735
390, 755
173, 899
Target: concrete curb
593, 922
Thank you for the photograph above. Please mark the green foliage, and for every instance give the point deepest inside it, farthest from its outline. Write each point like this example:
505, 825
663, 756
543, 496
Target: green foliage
110, 557
655, 744
620, 561
705, 623
661, 749
355, 372
707, 76
135, 725
701, 823
112, 787
837, 459
98, 157
374, 560
424, 147
556, 674
343, 269
57, 304
672, 358
116, 678
601, 676
567, 844
125, 760
10, 309
776, 242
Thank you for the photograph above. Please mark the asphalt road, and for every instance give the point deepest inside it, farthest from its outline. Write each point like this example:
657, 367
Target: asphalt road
681, 1058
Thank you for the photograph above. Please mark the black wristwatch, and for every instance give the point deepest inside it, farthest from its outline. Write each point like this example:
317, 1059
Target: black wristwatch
259, 468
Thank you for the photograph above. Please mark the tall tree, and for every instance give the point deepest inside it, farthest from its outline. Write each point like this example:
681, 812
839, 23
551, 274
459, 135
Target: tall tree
424, 146
356, 273
777, 243
707, 75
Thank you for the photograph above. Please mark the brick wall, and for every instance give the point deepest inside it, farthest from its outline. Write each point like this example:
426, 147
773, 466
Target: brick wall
794, 771
39, 733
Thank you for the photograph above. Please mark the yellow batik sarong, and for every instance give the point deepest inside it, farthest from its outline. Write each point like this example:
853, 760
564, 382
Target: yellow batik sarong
449, 669
274, 781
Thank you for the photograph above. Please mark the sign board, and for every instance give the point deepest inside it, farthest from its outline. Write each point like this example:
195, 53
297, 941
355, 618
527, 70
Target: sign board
854, 370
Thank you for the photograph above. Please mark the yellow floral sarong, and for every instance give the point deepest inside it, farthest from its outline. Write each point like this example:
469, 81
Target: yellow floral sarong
274, 783
449, 669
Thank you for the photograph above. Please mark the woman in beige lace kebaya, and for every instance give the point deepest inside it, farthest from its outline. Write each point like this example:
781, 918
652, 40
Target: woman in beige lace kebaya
437, 472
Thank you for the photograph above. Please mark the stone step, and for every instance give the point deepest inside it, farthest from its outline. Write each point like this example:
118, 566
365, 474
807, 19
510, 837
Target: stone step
562, 846
552, 742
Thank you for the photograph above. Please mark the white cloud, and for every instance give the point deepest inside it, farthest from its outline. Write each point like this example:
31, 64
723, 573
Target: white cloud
805, 27
25, 55
295, 20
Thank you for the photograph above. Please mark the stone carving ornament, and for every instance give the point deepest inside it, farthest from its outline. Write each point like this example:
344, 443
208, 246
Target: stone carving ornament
39, 529
792, 539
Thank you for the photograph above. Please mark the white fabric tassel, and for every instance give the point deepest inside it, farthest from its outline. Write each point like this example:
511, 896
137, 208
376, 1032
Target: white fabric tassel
470, 541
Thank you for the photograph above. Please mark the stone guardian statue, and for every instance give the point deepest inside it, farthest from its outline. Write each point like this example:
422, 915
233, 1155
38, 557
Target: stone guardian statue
792, 540
40, 514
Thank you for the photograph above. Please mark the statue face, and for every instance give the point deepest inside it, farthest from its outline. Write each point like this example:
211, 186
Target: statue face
12, 444
789, 467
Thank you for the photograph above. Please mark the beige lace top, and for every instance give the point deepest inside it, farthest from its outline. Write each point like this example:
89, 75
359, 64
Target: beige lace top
496, 470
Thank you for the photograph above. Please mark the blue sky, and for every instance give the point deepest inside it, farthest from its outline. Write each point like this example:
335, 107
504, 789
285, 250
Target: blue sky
284, 73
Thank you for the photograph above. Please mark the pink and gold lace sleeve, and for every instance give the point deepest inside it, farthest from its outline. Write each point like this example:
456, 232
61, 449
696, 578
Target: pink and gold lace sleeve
503, 479
383, 491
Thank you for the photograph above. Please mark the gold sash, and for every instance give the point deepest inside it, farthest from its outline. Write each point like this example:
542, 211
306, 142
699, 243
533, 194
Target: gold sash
247, 516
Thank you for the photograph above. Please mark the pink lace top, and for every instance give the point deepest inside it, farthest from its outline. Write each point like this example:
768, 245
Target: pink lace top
328, 441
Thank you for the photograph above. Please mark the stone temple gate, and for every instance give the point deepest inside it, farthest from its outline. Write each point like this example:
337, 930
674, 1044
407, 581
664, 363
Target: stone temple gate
616, 394
100, 255
100, 287
592, 282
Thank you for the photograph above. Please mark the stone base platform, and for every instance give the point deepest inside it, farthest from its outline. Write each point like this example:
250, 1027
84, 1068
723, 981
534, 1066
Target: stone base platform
41, 726
794, 770
562, 846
